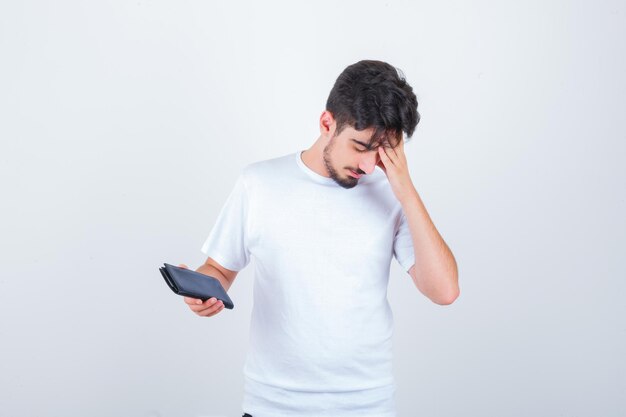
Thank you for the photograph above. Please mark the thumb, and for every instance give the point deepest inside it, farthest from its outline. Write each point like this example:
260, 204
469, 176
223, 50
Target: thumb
183, 266
381, 164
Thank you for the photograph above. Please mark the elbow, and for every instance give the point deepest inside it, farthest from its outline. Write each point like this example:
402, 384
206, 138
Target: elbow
448, 298
443, 292
446, 301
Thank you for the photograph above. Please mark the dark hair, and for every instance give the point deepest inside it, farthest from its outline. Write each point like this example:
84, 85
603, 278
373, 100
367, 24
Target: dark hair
374, 94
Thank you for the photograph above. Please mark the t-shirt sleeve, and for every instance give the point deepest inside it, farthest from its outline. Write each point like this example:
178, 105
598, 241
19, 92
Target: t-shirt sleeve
227, 242
403, 244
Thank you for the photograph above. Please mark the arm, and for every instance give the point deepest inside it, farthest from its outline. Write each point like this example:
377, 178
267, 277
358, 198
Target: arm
213, 269
435, 271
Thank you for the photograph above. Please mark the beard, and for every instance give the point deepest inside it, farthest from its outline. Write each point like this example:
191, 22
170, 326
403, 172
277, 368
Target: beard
345, 182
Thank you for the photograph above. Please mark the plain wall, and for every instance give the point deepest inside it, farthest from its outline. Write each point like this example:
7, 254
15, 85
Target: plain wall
123, 126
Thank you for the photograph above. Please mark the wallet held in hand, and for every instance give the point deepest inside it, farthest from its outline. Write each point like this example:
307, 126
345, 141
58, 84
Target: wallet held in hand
194, 284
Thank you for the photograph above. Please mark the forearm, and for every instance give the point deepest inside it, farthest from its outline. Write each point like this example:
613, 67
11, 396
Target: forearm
215, 273
435, 273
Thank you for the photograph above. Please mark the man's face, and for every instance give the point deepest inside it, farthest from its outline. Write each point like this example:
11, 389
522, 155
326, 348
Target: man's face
347, 154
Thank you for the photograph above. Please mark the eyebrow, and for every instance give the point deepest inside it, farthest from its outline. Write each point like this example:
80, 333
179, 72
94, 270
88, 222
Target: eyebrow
362, 144
371, 148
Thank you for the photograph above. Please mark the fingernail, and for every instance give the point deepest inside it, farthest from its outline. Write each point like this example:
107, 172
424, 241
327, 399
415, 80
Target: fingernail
199, 302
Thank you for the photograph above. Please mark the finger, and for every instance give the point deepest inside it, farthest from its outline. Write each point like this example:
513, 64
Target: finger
212, 309
394, 155
192, 301
199, 305
183, 266
391, 151
221, 307
213, 313
380, 163
384, 156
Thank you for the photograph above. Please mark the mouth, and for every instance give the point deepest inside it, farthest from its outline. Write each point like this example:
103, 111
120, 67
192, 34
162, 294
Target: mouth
354, 174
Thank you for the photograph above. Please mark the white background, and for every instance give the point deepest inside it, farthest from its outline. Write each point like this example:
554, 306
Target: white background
123, 126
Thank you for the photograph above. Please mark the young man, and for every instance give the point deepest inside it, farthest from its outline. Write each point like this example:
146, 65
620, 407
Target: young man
322, 225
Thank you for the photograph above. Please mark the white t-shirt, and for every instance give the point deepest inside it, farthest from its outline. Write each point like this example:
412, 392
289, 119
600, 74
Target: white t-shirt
321, 324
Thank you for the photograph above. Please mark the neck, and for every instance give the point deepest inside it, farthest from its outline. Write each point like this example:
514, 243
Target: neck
313, 158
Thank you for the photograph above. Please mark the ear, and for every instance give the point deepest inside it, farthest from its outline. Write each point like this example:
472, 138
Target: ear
327, 124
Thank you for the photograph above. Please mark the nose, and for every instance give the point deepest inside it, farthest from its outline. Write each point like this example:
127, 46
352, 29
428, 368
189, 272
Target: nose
368, 162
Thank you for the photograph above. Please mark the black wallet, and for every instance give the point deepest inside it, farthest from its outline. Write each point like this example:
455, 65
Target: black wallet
194, 284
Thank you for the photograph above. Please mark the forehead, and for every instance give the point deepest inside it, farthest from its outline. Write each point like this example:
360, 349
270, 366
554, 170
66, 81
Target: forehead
371, 137
363, 135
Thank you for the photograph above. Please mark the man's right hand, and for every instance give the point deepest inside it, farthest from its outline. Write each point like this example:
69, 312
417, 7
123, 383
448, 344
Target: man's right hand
207, 309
